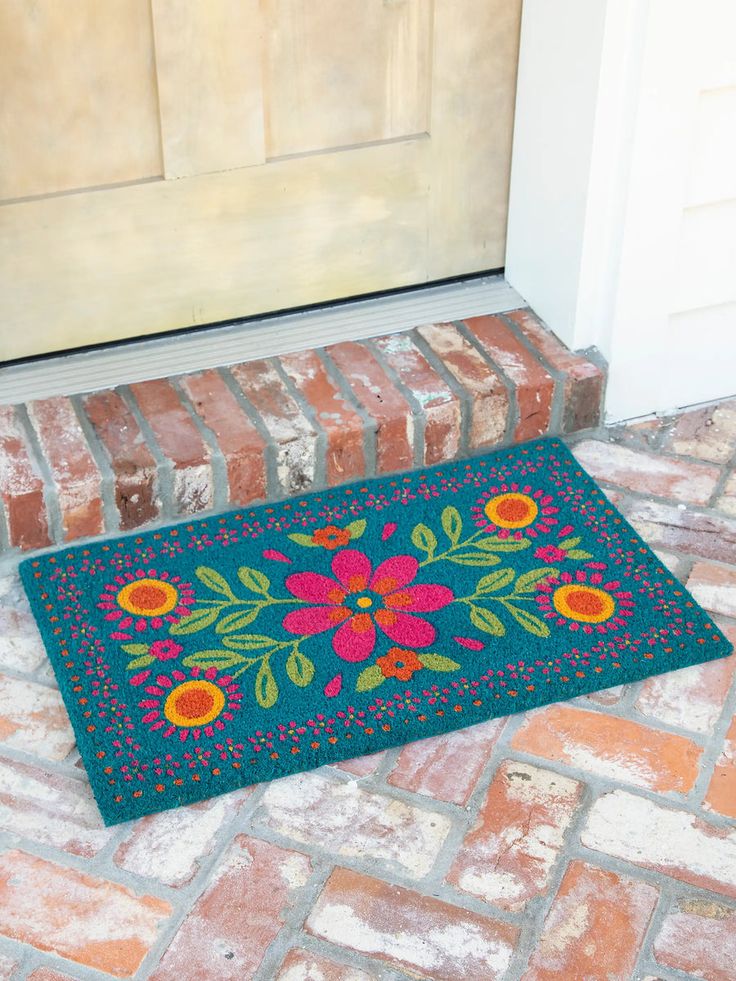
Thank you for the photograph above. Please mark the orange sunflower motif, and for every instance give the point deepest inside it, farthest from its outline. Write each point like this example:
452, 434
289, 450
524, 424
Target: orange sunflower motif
586, 601
399, 663
197, 705
145, 599
511, 511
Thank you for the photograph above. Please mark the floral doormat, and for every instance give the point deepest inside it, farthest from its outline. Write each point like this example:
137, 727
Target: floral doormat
205, 656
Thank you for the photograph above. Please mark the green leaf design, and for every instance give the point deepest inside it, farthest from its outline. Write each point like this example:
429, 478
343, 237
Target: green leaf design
528, 621
495, 544
214, 581
140, 662
267, 691
135, 648
425, 539
578, 553
369, 678
528, 581
254, 580
437, 662
197, 620
249, 642
237, 620
302, 539
486, 621
494, 581
452, 524
356, 528
217, 658
473, 558
569, 543
299, 668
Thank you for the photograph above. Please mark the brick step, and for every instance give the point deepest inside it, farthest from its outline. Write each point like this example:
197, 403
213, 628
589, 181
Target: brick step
125, 458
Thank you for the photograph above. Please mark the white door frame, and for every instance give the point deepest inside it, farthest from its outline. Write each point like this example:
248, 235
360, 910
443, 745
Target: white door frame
605, 118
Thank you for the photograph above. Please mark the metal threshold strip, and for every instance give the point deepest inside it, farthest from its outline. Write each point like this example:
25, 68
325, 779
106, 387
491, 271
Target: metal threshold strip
87, 371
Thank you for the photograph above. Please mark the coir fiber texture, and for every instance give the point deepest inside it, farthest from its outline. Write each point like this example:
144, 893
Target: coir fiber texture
206, 656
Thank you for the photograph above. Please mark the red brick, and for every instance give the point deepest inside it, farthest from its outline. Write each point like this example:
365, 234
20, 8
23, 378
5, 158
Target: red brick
584, 381
46, 974
425, 936
663, 839
721, 794
288, 426
446, 767
648, 473
240, 912
170, 846
706, 433
594, 928
706, 535
699, 937
240, 443
607, 696
50, 809
727, 501
534, 386
714, 587
21, 647
611, 747
21, 487
86, 919
350, 820
8, 966
362, 766
180, 441
303, 965
33, 719
691, 698
507, 856
75, 474
486, 392
440, 406
343, 426
136, 490
382, 401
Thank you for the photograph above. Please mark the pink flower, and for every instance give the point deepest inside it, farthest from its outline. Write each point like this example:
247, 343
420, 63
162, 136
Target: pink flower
358, 599
165, 650
550, 553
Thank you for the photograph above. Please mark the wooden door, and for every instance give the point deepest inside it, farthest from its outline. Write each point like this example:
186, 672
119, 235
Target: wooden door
168, 163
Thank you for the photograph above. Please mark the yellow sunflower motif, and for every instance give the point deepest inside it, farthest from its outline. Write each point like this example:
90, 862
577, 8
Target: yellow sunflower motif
511, 510
194, 703
148, 597
586, 604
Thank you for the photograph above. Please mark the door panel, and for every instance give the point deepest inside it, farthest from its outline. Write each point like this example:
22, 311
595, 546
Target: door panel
78, 105
345, 72
306, 150
208, 61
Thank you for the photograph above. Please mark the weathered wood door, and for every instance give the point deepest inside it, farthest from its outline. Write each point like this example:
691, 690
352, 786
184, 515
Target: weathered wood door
167, 163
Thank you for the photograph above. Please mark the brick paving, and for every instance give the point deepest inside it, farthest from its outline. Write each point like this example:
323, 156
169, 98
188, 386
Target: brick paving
590, 839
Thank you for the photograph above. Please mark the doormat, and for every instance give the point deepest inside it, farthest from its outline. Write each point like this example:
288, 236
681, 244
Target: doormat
213, 654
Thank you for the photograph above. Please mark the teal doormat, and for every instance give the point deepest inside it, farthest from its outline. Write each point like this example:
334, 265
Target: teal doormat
213, 654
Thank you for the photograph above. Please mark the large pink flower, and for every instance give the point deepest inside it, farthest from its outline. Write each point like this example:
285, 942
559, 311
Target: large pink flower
358, 599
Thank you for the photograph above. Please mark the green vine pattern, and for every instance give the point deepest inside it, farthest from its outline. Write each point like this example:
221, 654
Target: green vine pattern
497, 603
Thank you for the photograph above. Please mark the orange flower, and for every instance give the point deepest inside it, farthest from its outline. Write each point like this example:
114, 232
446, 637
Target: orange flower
331, 537
398, 663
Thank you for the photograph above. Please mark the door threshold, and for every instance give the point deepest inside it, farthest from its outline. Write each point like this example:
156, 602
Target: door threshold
88, 371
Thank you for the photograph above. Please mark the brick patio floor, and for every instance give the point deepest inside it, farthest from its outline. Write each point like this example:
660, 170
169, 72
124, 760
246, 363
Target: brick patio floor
591, 839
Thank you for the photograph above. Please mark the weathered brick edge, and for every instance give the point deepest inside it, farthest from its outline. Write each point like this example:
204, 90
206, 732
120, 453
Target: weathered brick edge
119, 459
